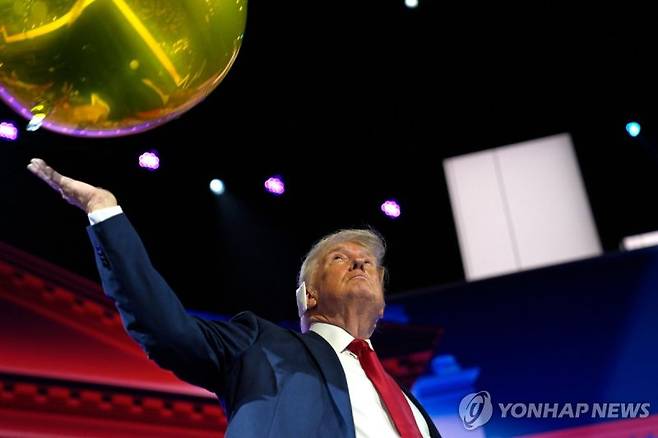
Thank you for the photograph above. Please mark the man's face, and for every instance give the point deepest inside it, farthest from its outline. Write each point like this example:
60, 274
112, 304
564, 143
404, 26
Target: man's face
346, 276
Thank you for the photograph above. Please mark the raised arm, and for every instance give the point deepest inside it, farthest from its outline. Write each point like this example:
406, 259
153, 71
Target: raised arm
198, 351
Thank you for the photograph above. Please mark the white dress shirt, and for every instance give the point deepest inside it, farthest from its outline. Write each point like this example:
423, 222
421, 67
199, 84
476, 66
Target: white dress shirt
371, 419
97, 216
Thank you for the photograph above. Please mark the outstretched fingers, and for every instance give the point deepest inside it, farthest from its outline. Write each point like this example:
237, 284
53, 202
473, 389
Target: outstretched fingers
49, 175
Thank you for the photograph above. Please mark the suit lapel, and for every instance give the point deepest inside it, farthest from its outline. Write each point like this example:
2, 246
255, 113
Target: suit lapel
434, 432
331, 368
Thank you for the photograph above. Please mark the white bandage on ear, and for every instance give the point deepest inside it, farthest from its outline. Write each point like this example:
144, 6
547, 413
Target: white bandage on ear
302, 304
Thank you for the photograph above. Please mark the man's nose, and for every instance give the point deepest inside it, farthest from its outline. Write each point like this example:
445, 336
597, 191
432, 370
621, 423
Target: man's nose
359, 263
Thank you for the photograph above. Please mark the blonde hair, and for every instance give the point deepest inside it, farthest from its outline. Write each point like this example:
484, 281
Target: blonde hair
368, 238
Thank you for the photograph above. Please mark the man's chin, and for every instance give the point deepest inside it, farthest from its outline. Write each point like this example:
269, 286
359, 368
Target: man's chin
366, 295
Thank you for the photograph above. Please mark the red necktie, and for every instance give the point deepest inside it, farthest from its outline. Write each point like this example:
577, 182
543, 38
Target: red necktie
389, 391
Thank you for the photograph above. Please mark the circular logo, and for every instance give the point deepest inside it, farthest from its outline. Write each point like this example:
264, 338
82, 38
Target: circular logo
475, 410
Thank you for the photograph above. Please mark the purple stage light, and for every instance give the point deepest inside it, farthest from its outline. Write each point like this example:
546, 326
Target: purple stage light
275, 186
8, 131
391, 209
149, 161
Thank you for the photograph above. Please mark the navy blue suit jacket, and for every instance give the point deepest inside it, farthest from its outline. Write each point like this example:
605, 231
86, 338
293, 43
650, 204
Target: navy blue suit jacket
273, 382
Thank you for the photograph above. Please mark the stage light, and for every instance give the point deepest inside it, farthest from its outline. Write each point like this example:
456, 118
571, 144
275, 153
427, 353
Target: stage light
217, 186
411, 3
275, 186
8, 131
149, 161
633, 129
391, 209
640, 241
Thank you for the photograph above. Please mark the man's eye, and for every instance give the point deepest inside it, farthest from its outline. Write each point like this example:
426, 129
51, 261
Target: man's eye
338, 257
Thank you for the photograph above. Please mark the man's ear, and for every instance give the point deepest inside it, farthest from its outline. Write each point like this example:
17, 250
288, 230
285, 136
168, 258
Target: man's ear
311, 298
382, 277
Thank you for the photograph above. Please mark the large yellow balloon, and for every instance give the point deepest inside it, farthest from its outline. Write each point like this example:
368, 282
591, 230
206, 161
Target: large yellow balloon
114, 67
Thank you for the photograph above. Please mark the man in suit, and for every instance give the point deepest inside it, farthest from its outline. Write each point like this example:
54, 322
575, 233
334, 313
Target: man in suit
273, 382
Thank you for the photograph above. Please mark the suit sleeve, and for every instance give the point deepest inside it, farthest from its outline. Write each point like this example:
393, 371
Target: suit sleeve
198, 351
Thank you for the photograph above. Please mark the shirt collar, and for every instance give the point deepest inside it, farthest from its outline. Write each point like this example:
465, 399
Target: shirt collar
337, 337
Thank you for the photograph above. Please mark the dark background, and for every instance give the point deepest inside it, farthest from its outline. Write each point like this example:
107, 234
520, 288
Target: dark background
354, 103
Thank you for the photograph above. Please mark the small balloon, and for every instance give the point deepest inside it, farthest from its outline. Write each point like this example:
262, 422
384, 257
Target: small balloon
105, 68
